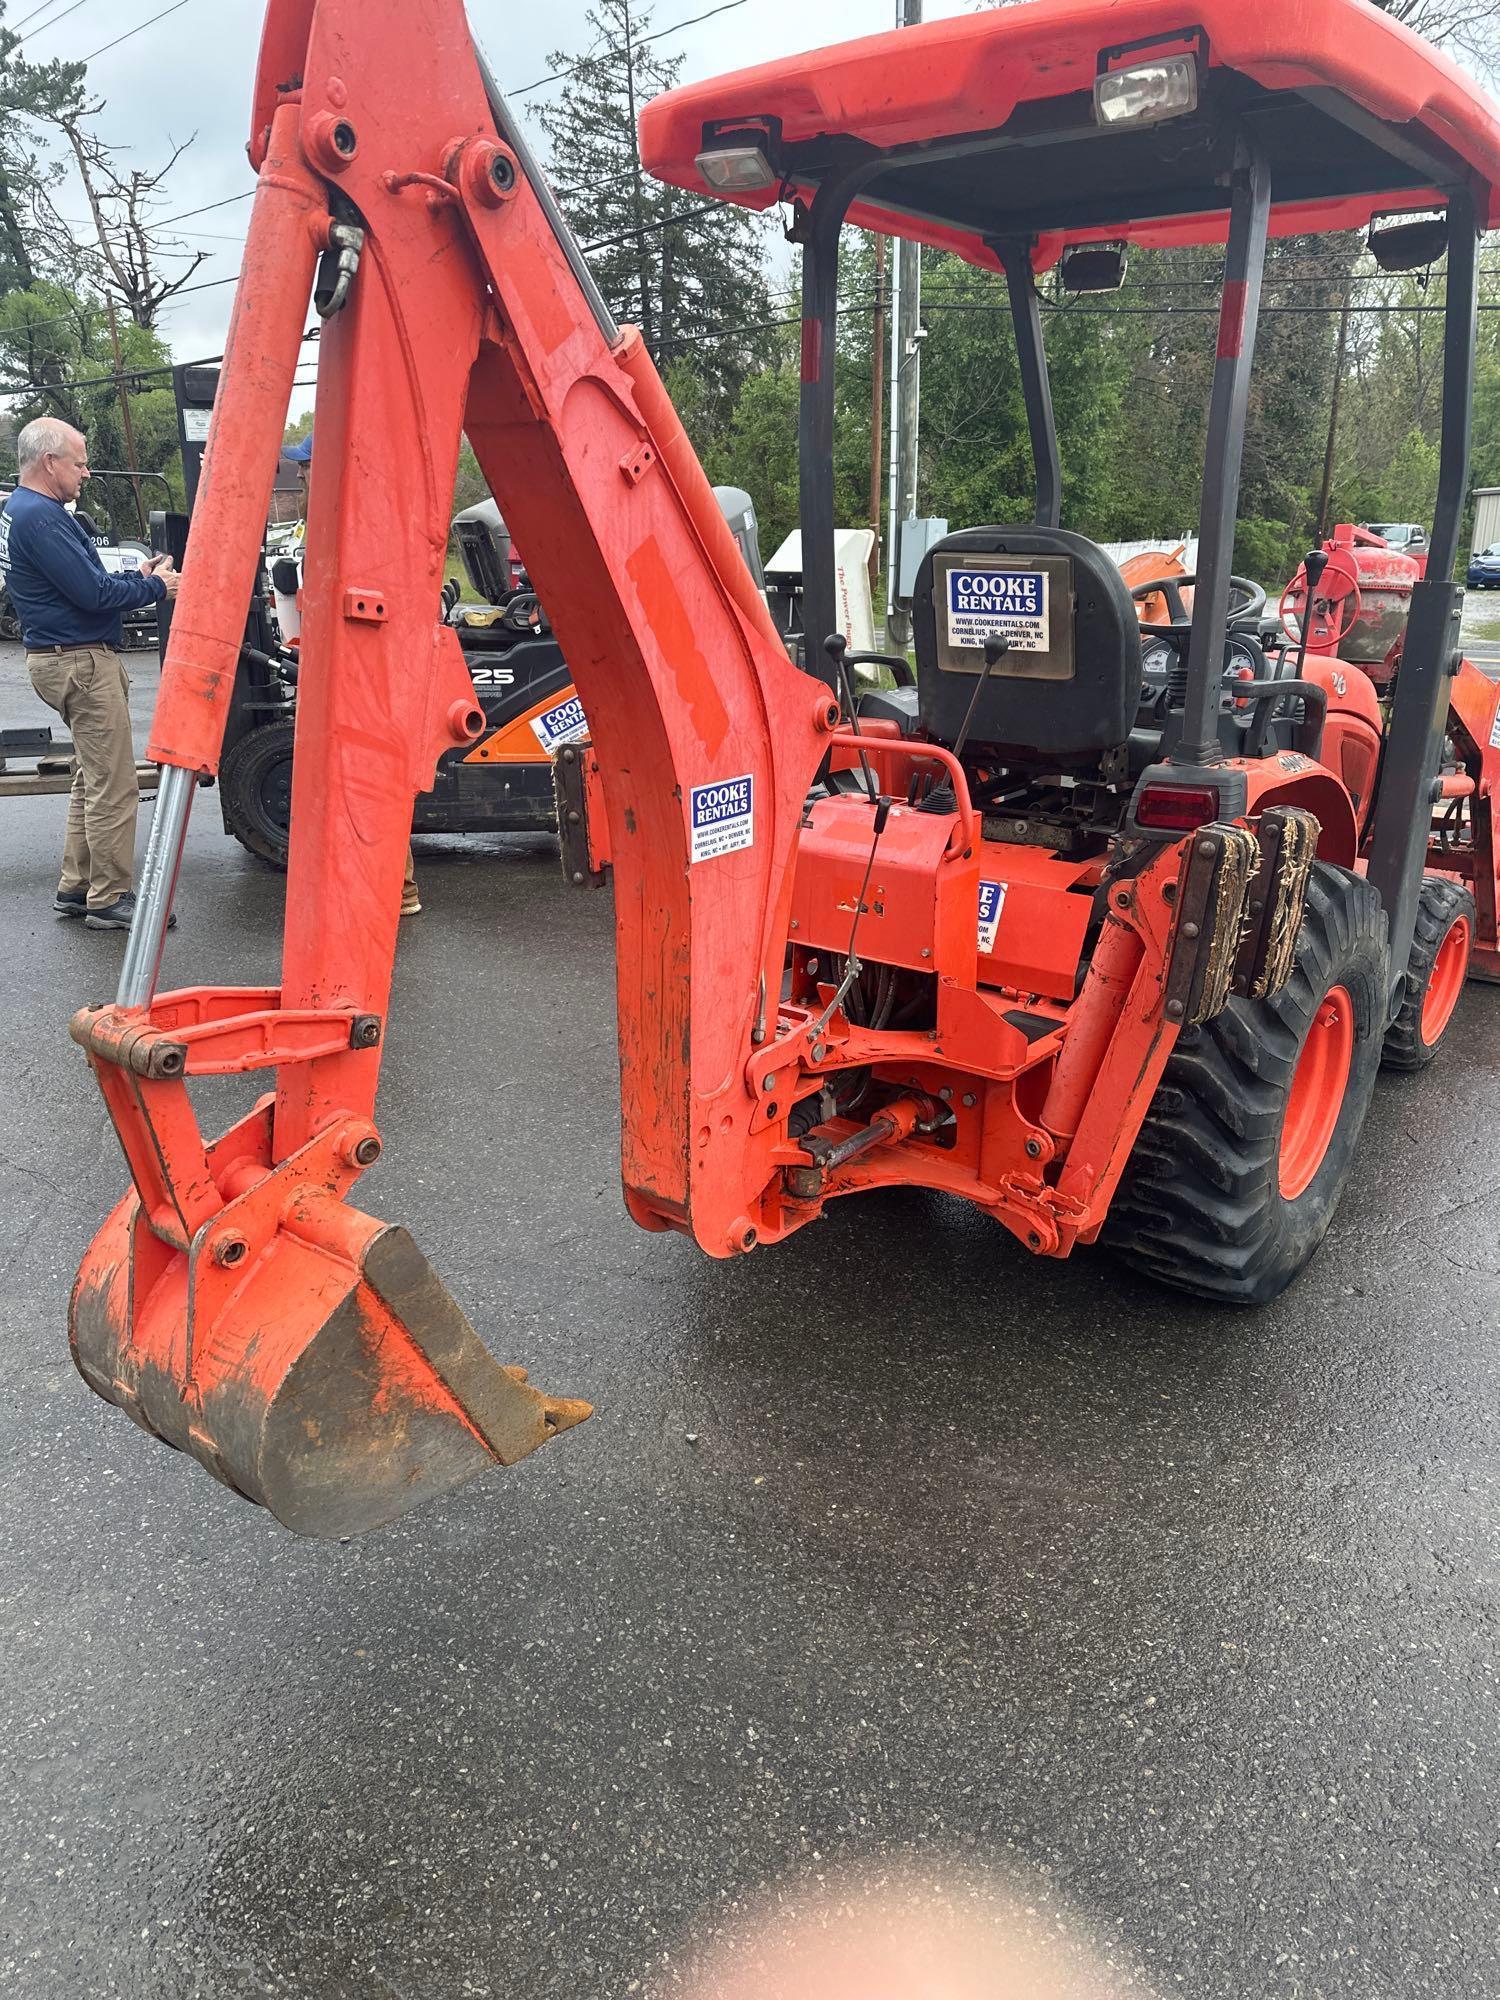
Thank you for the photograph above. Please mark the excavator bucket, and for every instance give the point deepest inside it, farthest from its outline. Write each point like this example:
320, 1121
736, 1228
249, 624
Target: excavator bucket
307, 1354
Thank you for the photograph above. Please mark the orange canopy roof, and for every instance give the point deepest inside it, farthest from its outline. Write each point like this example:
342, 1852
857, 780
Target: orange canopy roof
1356, 114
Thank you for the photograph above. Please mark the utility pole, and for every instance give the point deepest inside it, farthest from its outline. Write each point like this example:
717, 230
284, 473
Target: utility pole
877, 405
122, 393
643, 262
906, 386
1325, 497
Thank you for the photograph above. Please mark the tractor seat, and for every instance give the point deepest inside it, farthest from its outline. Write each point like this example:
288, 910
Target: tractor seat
1068, 688
898, 705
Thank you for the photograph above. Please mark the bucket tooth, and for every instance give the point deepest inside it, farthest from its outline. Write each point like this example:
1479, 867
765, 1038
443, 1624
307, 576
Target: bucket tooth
337, 1392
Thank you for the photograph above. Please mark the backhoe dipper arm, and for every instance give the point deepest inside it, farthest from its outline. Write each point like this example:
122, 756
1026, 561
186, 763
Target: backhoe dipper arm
234, 1303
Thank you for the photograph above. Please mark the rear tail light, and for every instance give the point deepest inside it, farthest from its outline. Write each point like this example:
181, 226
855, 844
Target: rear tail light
1177, 808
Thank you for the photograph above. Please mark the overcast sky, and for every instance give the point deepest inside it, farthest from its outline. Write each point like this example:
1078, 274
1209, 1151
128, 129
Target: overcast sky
193, 70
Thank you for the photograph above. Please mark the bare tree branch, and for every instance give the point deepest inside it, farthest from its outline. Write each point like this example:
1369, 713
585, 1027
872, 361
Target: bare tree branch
119, 207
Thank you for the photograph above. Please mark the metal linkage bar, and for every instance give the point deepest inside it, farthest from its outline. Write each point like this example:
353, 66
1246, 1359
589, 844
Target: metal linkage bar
1244, 265
820, 286
1430, 658
1460, 337
153, 908
1026, 317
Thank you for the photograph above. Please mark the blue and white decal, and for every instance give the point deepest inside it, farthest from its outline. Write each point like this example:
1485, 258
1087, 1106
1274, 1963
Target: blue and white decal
1011, 602
564, 724
721, 818
991, 903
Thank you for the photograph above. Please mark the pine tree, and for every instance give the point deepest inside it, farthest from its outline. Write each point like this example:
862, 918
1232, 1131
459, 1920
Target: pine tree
678, 284
29, 93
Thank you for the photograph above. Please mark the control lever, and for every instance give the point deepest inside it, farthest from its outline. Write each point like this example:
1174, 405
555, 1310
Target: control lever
281, 661
1313, 568
995, 650
836, 646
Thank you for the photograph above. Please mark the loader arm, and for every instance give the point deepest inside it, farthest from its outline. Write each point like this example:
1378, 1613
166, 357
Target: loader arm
234, 1303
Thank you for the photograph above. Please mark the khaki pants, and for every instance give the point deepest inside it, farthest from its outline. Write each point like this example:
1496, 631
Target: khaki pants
89, 690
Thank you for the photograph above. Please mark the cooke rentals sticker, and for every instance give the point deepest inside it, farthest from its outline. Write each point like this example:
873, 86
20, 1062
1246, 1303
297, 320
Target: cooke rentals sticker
721, 818
1010, 602
564, 724
991, 903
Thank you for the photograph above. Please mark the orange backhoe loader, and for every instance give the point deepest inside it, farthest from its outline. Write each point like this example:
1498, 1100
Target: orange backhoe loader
1096, 945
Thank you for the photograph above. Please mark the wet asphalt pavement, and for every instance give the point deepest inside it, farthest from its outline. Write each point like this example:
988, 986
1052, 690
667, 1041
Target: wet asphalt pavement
888, 1552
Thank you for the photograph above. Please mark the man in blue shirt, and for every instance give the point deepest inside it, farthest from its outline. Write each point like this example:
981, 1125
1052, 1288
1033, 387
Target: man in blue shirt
69, 607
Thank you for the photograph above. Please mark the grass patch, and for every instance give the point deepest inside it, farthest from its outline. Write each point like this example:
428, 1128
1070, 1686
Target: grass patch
1482, 616
454, 567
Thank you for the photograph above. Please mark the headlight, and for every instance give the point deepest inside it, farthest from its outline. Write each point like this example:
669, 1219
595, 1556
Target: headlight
1148, 92
735, 169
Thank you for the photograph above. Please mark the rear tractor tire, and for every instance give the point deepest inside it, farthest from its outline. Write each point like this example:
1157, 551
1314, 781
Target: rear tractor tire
1435, 973
1250, 1138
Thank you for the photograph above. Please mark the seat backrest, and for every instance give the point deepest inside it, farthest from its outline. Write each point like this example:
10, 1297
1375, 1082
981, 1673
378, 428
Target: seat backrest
1069, 686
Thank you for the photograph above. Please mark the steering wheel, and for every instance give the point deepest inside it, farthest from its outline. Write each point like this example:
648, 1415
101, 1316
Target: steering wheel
523, 613
1247, 600
1336, 601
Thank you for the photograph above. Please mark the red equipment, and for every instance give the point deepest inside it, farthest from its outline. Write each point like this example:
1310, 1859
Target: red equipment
956, 936
1362, 601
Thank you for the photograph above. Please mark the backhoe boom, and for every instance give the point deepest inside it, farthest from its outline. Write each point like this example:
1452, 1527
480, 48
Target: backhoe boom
234, 1303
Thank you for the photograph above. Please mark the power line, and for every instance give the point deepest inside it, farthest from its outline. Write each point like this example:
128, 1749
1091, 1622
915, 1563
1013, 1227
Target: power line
139, 29
648, 228
59, 319
32, 15
1331, 283
207, 209
1089, 312
129, 374
603, 55
203, 236
53, 22
16, 29
756, 326
1212, 312
211, 285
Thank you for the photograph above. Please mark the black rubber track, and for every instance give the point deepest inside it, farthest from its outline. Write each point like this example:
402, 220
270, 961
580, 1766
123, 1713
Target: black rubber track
1200, 1205
1441, 904
252, 782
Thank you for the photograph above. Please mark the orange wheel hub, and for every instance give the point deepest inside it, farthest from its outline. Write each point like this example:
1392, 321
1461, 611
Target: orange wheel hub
1446, 980
1317, 1093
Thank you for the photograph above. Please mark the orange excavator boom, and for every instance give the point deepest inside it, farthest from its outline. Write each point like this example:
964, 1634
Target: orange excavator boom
234, 1302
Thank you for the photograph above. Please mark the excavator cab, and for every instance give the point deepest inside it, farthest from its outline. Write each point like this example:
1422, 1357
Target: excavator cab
1008, 941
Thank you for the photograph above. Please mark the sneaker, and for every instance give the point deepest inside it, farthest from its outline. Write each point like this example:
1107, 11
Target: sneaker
71, 902
119, 915
411, 902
